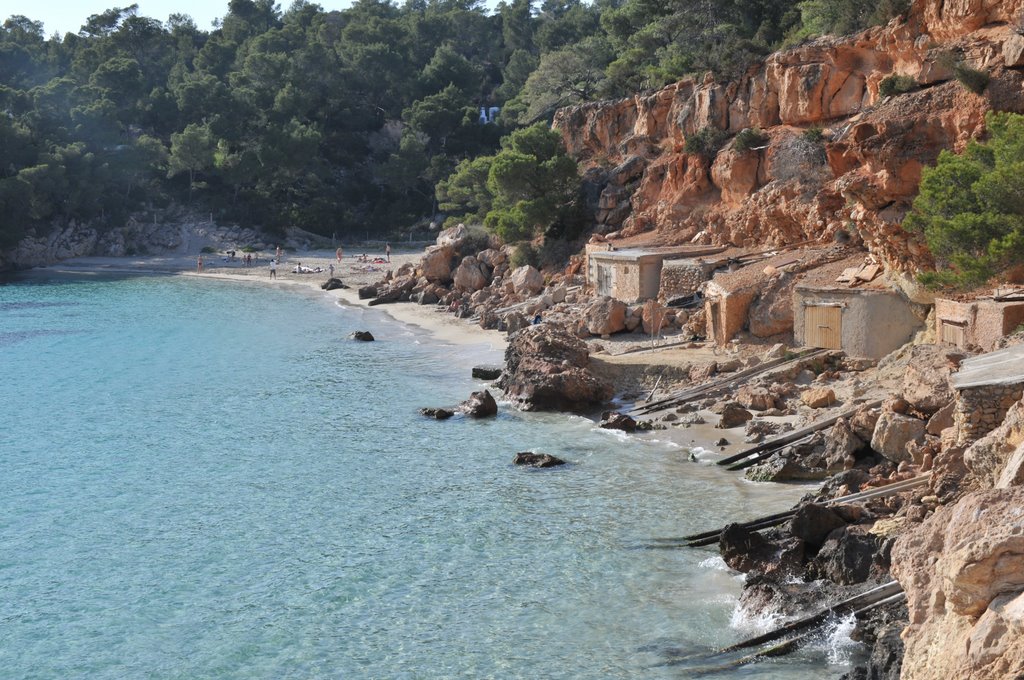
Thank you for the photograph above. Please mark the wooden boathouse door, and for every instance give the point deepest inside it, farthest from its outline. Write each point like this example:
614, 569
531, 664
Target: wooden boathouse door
823, 326
953, 333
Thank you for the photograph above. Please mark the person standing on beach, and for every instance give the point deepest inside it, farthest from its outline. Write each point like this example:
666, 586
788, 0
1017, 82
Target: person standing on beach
387, 251
278, 256
331, 268
340, 253
199, 265
273, 269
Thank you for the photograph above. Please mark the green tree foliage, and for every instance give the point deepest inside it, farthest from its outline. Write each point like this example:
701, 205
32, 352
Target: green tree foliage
365, 118
519, 192
971, 207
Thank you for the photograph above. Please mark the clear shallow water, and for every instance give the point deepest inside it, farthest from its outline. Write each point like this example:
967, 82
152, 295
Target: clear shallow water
206, 479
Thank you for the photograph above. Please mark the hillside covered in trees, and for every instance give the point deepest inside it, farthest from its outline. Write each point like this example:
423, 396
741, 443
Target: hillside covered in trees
345, 120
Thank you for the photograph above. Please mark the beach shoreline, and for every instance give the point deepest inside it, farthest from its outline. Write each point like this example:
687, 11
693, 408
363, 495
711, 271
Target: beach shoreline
354, 274
703, 440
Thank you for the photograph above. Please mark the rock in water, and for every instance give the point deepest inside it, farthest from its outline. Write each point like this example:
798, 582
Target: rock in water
365, 336
546, 368
613, 420
487, 372
538, 460
479, 405
438, 413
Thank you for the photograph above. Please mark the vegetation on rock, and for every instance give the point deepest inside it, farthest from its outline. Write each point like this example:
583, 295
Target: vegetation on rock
896, 84
971, 207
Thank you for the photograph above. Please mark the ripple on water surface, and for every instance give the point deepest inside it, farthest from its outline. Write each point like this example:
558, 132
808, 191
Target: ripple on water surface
209, 480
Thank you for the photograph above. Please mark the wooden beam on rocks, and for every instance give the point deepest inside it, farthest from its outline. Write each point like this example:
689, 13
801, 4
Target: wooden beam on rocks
721, 384
791, 437
710, 537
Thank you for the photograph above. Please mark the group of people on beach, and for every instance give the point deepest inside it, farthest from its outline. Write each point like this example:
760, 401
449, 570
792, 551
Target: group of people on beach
248, 260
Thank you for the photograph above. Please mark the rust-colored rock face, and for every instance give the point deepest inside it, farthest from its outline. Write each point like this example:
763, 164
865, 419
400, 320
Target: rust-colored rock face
859, 176
961, 570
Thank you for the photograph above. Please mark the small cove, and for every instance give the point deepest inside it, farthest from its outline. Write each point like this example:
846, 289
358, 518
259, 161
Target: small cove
207, 480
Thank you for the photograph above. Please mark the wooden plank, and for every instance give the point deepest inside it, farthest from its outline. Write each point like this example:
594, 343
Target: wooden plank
707, 389
791, 437
868, 272
848, 275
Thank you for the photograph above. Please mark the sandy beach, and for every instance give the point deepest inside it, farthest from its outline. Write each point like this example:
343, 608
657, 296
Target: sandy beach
353, 274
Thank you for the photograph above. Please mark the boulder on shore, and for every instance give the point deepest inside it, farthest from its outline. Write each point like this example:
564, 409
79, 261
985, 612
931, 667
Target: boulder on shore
537, 460
926, 382
893, 432
479, 405
733, 415
818, 397
613, 420
487, 372
547, 368
333, 284
605, 316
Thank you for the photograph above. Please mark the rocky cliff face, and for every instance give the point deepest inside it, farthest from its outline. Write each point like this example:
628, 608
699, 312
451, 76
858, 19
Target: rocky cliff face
859, 176
961, 570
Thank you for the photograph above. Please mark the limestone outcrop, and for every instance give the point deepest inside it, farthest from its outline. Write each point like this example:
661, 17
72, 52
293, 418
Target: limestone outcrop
837, 152
546, 368
961, 570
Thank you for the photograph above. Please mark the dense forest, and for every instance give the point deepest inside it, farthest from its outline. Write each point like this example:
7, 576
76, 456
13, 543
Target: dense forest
348, 120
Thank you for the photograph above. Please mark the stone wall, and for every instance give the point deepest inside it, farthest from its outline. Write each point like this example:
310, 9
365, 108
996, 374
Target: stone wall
985, 322
681, 278
979, 410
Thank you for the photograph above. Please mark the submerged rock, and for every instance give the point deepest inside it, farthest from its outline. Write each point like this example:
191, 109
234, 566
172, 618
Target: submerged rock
438, 413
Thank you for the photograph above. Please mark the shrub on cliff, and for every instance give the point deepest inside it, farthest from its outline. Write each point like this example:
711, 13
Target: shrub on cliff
971, 207
706, 142
896, 84
974, 80
749, 138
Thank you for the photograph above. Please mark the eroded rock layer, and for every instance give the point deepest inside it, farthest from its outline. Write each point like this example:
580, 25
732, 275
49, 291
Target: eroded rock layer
858, 176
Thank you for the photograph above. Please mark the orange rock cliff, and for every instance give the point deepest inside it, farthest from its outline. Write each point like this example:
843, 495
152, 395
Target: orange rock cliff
859, 176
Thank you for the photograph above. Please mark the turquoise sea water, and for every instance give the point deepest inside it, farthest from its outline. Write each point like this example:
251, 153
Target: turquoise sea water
207, 480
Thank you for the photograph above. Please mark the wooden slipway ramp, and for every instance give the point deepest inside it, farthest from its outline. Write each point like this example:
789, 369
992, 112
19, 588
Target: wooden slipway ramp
786, 638
715, 387
711, 536
765, 450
